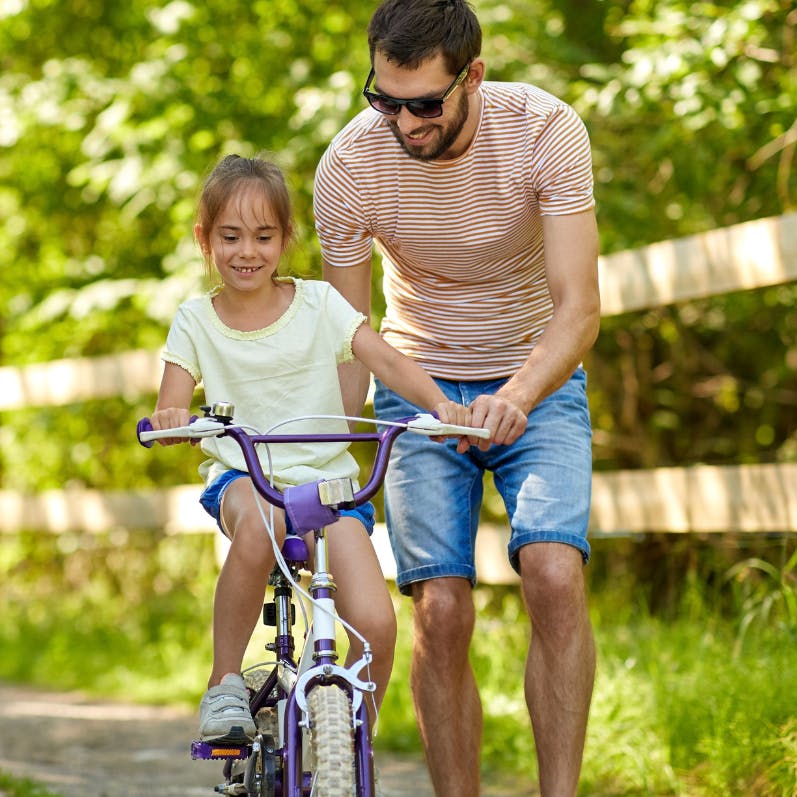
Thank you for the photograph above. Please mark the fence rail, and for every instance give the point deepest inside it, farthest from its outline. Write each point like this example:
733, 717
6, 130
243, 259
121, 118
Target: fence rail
751, 498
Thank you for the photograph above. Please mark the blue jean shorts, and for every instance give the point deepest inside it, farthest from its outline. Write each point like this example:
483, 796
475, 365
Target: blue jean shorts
212, 495
433, 494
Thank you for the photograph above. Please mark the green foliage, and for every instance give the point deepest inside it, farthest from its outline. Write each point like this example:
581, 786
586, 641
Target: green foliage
125, 614
769, 594
694, 383
112, 115
22, 787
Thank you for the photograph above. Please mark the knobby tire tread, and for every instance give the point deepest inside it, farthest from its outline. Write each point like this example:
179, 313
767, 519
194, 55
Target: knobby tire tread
332, 741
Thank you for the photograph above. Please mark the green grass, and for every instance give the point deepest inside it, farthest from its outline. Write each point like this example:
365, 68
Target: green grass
694, 698
22, 787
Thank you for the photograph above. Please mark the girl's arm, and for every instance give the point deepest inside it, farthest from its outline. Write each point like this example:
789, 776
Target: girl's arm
405, 376
174, 401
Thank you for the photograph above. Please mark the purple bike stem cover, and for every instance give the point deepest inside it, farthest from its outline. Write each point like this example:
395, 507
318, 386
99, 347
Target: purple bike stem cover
305, 510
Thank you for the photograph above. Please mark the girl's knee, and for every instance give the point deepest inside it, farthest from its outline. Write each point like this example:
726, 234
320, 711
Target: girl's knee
251, 548
379, 628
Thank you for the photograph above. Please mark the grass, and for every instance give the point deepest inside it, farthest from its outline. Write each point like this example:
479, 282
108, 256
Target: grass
22, 787
695, 697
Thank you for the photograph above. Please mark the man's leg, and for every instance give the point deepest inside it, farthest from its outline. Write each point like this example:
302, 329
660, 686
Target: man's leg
444, 691
432, 500
560, 668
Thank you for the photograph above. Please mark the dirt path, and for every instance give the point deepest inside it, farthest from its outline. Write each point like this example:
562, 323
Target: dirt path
81, 748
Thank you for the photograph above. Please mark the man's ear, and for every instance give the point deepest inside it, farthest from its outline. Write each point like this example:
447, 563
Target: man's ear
475, 75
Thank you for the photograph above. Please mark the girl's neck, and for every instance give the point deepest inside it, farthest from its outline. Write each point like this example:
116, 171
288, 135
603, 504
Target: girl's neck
248, 311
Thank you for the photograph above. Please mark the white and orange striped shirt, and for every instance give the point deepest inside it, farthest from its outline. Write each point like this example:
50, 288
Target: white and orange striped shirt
461, 240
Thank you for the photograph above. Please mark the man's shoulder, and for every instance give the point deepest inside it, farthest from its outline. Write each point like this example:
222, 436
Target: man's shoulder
520, 98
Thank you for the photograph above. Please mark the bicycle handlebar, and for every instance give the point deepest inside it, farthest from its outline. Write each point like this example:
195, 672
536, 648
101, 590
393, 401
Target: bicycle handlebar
424, 424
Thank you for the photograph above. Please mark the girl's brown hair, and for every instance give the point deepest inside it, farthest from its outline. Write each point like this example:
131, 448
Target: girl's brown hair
226, 179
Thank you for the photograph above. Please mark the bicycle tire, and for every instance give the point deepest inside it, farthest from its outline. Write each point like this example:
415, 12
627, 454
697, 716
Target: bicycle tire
332, 741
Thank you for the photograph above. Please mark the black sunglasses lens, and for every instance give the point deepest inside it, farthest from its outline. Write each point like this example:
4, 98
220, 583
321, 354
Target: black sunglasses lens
383, 104
425, 109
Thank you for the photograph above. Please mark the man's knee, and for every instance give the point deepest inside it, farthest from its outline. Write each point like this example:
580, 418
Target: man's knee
444, 612
552, 577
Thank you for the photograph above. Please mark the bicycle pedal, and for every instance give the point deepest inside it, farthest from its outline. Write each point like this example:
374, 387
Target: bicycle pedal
213, 751
231, 788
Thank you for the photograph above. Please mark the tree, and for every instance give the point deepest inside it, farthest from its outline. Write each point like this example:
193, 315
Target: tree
111, 115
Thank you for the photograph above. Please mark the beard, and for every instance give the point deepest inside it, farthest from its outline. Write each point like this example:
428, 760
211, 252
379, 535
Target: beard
446, 134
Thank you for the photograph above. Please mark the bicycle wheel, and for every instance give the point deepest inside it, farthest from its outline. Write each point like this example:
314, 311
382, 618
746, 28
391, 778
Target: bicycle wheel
332, 742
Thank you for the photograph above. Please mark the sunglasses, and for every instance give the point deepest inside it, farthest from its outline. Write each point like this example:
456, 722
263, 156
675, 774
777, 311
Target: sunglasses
423, 108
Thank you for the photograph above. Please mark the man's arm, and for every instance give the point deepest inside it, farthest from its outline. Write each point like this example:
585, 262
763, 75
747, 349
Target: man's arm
354, 283
571, 265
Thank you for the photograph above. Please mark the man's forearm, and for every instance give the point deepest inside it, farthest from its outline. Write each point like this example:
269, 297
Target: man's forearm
354, 284
355, 379
557, 354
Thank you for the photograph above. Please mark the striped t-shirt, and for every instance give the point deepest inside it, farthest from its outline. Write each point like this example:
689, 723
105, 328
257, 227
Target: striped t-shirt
461, 239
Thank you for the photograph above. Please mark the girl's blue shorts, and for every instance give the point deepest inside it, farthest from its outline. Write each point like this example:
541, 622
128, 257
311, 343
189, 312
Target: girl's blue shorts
212, 495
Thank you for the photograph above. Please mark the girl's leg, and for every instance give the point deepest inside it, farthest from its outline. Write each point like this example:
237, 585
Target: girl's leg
363, 599
224, 711
242, 582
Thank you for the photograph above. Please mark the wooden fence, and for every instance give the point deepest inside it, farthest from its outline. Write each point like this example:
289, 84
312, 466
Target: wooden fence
751, 498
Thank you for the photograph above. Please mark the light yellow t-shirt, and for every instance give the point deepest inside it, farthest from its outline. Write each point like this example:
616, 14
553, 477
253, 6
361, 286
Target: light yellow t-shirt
282, 371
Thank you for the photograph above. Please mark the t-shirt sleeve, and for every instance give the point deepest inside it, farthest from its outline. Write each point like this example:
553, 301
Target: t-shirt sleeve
180, 348
341, 226
562, 164
343, 321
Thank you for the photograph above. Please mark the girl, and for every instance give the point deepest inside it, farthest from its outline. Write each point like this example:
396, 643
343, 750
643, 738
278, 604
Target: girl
271, 346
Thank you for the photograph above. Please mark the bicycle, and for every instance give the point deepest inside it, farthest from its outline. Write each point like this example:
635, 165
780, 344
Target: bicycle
305, 704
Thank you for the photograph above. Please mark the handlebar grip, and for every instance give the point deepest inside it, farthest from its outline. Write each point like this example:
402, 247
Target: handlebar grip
145, 425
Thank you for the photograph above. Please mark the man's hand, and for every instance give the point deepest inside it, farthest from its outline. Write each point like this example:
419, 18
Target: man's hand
502, 416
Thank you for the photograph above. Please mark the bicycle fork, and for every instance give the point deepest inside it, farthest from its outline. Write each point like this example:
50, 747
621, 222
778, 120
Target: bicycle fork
318, 666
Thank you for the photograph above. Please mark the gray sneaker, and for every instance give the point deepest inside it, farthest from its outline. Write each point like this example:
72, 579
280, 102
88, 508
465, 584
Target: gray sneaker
224, 714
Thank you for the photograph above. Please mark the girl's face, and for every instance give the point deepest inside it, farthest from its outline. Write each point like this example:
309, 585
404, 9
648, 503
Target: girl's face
246, 241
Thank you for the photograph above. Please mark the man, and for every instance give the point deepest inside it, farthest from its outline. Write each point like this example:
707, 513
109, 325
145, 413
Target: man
479, 196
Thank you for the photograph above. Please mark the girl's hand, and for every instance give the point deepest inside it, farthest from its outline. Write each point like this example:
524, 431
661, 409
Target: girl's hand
451, 412
168, 418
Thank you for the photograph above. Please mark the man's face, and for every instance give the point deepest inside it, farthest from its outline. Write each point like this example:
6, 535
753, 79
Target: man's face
440, 138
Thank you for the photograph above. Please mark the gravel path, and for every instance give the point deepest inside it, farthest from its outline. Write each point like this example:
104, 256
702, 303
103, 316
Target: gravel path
82, 748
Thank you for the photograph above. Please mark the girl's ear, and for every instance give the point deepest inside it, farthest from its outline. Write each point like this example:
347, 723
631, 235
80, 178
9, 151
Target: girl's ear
287, 236
201, 239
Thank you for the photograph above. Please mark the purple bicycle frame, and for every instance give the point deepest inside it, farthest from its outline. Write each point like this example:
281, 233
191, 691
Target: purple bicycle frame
294, 781
384, 439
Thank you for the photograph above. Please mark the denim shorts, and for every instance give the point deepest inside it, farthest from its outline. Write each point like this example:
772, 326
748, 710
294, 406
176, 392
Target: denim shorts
214, 492
433, 494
